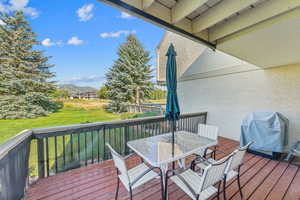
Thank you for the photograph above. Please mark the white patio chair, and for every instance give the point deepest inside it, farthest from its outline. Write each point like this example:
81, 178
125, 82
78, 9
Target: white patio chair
134, 177
200, 187
210, 132
234, 164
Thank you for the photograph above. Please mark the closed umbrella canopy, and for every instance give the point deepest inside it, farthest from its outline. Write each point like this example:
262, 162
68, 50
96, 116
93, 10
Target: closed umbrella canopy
172, 108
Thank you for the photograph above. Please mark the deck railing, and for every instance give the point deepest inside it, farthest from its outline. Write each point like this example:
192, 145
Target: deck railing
14, 158
63, 148
144, 108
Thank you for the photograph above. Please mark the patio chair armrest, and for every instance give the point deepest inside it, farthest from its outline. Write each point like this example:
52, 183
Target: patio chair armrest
197, 160
200, 159
143, 174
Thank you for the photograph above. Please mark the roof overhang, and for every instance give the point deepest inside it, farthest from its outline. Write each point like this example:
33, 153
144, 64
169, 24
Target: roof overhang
228, 25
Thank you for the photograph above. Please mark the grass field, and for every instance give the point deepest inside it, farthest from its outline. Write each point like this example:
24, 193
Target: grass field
67, 115
74, 112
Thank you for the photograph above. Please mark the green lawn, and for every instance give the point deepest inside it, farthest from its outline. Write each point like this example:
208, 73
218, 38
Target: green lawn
66, 116
73, 113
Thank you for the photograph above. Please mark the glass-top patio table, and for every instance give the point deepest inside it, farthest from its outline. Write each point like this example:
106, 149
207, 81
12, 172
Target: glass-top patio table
157, 150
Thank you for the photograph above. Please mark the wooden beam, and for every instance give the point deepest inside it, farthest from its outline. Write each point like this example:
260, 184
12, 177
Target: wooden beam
147, 3
136, 3
185, 7
252, 17
161, 16
219, 12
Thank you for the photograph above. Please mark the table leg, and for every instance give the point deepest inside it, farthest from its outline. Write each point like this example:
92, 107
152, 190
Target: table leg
164, 169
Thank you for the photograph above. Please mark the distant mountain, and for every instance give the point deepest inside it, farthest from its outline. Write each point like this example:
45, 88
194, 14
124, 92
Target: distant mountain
76, 89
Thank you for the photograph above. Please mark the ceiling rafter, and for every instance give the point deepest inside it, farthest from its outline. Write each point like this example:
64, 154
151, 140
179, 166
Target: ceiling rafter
219, 12
147, 3
252, 17
185, 7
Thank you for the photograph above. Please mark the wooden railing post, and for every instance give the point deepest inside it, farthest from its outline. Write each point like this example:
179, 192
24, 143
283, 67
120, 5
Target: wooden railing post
104, 143
126, 137
41, 160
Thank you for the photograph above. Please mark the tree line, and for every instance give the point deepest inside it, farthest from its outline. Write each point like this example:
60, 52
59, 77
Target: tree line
26, 89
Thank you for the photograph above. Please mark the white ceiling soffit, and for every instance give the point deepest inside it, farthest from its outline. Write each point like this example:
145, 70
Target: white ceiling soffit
237, 27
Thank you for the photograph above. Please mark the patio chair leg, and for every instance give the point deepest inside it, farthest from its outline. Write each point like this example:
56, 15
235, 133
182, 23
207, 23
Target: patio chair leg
192, 165
239, 182
130, 193
224, 187
218, 194
162, 185
166, 187
214, 155
117, 190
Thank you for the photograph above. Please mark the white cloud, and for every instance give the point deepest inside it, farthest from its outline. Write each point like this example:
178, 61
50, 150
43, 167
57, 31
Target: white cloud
116, 34
75, 41
48, 43
125, 15
85, 12
18, 4
13, 5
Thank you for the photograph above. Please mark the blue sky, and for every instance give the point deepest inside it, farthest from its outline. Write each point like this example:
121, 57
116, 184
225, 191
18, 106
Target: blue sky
82, 36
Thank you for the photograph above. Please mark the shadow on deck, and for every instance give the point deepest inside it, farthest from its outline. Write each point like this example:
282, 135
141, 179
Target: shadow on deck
261, 178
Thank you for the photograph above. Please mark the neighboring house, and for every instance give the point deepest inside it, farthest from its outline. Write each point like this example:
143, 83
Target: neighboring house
79, 92
84, 95
229, 88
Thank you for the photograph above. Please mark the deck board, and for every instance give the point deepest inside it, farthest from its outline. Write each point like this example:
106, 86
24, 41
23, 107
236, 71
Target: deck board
294, 190
283, 184
261, 178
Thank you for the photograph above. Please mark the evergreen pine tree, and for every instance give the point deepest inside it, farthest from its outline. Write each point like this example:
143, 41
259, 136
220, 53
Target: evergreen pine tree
128, 80
24, 72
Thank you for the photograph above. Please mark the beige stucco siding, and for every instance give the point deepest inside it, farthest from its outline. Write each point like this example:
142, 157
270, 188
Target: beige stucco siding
186, 49
229, 98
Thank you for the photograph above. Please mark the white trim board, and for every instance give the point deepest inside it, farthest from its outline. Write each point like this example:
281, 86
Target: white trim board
219, 72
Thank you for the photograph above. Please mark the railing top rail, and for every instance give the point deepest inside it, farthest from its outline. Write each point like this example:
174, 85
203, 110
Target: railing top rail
117, 123
147, 105
13, 142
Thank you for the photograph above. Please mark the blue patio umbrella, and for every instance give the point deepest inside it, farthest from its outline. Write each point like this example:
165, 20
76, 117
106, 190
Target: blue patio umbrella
172, 109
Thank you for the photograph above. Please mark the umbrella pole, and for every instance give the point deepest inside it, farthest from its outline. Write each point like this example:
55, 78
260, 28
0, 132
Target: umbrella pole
173, 142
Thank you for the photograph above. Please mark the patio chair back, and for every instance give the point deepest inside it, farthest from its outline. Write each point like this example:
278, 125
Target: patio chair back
238, 156
208, 131
119, 163
214, 173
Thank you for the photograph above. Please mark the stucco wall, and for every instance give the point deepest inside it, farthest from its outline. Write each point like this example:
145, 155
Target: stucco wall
229, 98
186, 49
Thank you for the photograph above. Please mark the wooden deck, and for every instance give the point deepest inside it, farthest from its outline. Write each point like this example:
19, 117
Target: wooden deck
261, 178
